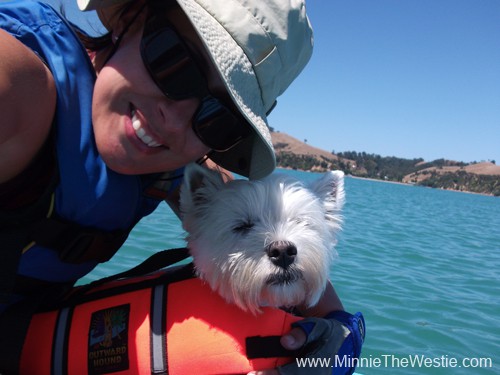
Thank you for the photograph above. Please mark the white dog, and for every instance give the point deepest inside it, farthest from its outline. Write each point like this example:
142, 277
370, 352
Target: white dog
262, 243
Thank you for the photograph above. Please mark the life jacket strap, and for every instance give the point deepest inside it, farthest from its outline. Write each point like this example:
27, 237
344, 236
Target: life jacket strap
267, 347
75, 243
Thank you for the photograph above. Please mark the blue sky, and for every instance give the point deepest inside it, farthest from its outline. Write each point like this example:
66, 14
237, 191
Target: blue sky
406, 78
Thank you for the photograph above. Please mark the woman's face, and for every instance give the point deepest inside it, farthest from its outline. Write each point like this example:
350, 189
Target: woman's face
137, 128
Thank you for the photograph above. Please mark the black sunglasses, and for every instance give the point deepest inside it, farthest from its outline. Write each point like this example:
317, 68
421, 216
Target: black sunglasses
175, 72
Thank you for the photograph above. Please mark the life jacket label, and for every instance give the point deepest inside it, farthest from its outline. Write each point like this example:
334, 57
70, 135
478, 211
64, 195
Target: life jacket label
108, 340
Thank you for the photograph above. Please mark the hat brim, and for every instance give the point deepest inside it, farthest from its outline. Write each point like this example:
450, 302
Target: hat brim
254, 156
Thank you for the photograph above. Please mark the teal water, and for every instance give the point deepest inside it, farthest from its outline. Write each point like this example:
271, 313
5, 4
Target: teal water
423, 265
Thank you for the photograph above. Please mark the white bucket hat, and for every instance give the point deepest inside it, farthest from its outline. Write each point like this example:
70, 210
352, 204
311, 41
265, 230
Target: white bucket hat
259, 47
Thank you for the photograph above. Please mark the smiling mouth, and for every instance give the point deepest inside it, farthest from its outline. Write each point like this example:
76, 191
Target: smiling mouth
141, 132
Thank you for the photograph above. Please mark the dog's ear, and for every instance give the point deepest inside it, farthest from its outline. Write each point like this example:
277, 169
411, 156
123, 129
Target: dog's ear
198, 185
330, 189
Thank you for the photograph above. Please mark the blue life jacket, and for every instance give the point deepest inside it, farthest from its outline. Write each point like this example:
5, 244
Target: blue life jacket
87, 193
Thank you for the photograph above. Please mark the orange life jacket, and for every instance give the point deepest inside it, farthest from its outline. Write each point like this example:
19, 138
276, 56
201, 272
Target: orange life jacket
163, 323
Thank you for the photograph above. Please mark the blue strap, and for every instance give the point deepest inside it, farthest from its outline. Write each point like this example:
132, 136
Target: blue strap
343, 342
351, 347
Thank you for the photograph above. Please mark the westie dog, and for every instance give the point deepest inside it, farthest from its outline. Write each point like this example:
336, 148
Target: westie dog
262, 243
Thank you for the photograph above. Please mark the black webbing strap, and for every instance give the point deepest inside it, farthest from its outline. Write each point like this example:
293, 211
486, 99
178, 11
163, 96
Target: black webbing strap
155, 262
266, 347
75, 243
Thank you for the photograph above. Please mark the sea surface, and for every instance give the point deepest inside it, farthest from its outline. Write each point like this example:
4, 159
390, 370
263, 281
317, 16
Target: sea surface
423, 265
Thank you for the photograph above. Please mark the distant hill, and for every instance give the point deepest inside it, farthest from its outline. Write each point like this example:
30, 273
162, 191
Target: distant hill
483, 168
481, 177
292, 153
286, 143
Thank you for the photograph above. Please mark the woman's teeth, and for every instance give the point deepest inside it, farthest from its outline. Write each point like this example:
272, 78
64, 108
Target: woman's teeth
141, 133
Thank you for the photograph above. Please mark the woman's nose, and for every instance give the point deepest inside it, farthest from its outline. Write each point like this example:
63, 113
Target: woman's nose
176, 115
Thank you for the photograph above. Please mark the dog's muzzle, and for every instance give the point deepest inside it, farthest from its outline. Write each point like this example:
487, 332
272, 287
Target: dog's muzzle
281, 253
284, 277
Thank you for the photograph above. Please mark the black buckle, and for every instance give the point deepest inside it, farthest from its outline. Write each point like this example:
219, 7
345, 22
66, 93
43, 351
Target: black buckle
77, 244
92, 245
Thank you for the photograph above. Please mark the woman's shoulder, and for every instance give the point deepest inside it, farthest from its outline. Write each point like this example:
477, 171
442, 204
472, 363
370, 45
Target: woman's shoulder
27, 104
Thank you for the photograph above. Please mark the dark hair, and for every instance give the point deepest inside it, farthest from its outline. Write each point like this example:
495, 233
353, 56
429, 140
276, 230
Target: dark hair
94, 43
111, 42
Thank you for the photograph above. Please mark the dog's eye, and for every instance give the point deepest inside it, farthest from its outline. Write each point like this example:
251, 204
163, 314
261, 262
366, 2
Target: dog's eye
243, 227
301, 221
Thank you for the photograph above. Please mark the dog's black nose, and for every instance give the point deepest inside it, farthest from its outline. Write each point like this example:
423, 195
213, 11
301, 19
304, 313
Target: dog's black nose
282, 253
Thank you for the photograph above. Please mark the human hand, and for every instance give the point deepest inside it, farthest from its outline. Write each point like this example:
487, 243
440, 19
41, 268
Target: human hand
339, 334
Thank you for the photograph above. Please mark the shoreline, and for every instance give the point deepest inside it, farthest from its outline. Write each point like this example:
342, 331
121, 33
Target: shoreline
390, 182
415, 185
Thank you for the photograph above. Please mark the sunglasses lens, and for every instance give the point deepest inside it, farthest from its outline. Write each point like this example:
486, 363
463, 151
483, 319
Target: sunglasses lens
172, 68
170, 65
217, 126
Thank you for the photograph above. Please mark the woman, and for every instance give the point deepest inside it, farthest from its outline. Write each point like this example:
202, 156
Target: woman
91, 142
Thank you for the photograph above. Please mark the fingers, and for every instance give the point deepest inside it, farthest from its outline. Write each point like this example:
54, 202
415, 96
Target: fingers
294, 339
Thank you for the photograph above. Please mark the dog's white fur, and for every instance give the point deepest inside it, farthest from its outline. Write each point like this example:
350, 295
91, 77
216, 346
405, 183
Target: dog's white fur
231, 227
